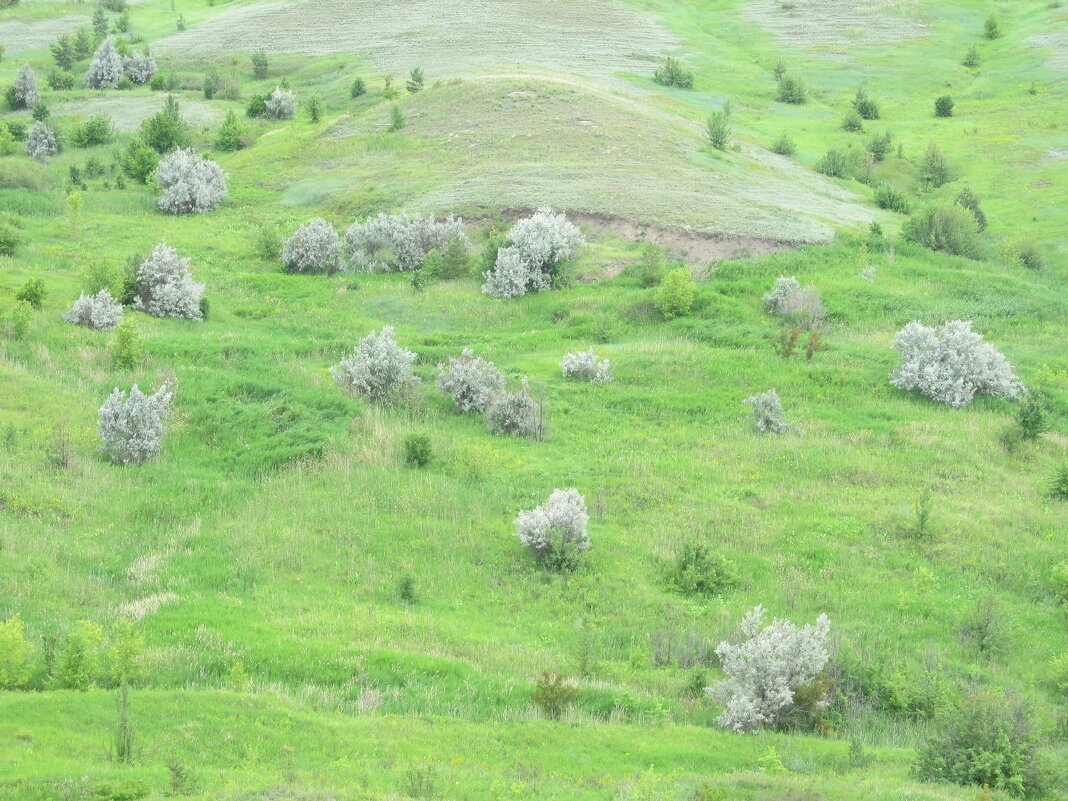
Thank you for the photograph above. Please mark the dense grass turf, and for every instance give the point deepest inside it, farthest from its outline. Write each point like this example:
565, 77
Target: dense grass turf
262, 555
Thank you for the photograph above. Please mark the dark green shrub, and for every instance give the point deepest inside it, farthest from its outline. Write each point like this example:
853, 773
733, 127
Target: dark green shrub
396, 119
949, 229
933, 168
651, 267
1031, 257
696, 569
314, 107
880, 146
1058, 484
205, 307
158, 82
886, 197
552, 696
718, 127
784, 146
672, 74
165, 130
417, 450
415, 81
127, 352
59, 80
9, 239
987, 741
268, 242
41, 112
944, 106
230, 133
791, 90
257, 106
853, 122
97, 130
991, 28
455, 262
406, 589
1031, 417
971, 58
969, 200
259, 65
358, 88
867, 108
138, 160
212, 82
125, 82
33, 292
837, 163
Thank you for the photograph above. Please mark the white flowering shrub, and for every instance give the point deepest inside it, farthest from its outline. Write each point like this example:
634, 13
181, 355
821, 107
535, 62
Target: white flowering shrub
399, 242
766, 668
952, 364
511, 277
25, 91
101, 311
165, 287
131, 426
280, 105
314, 248
188, 183
378, 368
585, 367
41, 143
140, 67
471, 381
802, 307
106, 67
767, 412
515, 414
542, 243
556, 532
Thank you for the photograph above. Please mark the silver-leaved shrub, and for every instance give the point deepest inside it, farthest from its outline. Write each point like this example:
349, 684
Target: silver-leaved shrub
165, 287
188, 183
139, 67
397, 242
101, 311
557, 531
801, 307
764, 670
378, 368
131, 426
25, 91
41, 143
280, 105
313, 248
106, 67
585, 367
767, 412
471, 381
515, 414
537, 247
952, 364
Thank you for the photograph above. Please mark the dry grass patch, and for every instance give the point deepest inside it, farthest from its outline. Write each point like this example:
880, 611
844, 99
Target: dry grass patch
836, 24
16, 35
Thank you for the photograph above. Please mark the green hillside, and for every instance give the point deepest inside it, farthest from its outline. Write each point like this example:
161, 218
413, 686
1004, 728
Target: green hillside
292, 610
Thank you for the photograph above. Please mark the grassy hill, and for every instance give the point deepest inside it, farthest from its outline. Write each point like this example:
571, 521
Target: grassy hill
319, 620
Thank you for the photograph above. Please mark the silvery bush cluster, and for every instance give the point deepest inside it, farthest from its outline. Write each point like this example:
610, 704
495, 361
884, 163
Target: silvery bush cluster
26, 91
313, 248
41, 143
471, 381
537, 246
139, 67
767, 411
101, 311
765, 669
515, 414
189, 184
585, 367
378, 368
106, 67
952, 364
558, 524
131, 426
280, 104
802, 307
391, 242
165, 287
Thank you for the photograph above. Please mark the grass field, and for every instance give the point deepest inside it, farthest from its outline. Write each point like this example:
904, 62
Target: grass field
320, 621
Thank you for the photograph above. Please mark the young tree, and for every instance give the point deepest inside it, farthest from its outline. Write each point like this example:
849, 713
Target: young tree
165, 286
165, 130
471, 381
396, 119
944, 106
675, 295
230, 133
969, 200
314, 107
106, 67
132, 427
41, 143
415, 81
358, 88
313, 248
378, 368
189, 184
259, 65
673, 74
25, 91
934, 169
766, 669
63, 52
718, 127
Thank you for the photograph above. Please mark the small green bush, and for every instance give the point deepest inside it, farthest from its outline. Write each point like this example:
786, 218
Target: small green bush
396, 119
21, 316
675, 295
718, 127
949, 229
650, 269
944, 106
33, 292
268, 242
127, 352
971, 58
417, 450
784, 146
967, 199
672, 74
991, 28
552, 695
933, 167
886, 197
853, 122
358, 88
415, 81
838, 163
1058, 484
15, 653
9, 239
696, 569
314, 107
1031, 257
867, 108
880, 146
987, 741
260, 65
791, 90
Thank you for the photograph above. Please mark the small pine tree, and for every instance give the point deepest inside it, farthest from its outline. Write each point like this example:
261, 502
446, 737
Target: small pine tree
358, 88
314, 107
100, 23
230, 133
991, 28
260, 65
415, 81
784, 146
718, 127
127, 352
969, 200
971, 58
396, 119
389, 91
944, 106
934, 169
